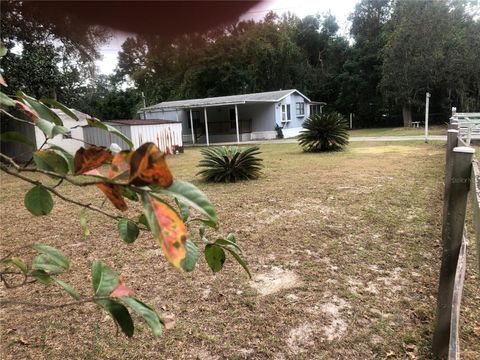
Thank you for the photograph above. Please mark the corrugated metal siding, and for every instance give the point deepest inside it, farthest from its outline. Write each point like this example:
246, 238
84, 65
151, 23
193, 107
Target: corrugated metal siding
166, 136
104, 138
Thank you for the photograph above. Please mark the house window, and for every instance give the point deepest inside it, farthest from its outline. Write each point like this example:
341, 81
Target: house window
315, 109
300, 108
286, 113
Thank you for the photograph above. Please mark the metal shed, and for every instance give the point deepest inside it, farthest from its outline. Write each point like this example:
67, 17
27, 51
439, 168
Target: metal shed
166, 134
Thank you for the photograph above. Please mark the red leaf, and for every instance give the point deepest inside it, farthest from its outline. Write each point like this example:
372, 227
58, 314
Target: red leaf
120, 167
121, 290
91, 158
148, 166
27, 110
111, 191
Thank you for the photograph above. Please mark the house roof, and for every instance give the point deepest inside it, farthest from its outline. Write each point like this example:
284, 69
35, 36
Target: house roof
141, 122
263, 97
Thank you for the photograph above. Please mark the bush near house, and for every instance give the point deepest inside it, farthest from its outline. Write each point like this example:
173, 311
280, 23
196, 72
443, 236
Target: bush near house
324, 132
230, 164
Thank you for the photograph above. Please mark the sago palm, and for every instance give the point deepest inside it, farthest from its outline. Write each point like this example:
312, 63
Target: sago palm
230, 164
324, 132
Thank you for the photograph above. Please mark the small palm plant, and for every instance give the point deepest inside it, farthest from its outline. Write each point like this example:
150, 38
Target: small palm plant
230, 164
324, 132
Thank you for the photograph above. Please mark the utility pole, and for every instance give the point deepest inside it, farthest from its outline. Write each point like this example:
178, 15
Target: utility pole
144, 106
427, 103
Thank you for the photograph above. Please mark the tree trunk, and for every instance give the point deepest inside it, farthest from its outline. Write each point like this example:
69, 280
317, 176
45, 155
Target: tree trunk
407, 115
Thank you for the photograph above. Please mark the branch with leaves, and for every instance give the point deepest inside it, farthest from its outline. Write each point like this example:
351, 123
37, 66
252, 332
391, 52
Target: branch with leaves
123, 176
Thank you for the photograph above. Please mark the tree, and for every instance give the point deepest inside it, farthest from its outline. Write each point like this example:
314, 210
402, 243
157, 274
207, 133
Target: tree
430, 50
52, 57
362, 71
134, 175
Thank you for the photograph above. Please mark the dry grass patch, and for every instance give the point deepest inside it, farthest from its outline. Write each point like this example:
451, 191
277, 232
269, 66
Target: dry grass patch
344, 249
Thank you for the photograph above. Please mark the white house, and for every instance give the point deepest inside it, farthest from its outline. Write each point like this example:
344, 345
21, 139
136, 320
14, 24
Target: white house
237, 117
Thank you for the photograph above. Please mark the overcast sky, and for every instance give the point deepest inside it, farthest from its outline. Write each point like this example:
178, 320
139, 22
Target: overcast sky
341, 9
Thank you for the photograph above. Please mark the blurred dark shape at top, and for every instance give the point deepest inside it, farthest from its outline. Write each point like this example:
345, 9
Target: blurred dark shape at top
165, 18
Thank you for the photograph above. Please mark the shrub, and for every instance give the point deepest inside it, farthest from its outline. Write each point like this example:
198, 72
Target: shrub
279, 131
324, 132
230, 164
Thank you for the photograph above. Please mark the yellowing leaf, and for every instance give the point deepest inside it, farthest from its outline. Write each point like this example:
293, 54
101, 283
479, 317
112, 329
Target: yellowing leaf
169, 230
121, 290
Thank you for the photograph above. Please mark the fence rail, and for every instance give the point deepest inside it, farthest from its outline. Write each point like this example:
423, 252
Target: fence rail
462, 181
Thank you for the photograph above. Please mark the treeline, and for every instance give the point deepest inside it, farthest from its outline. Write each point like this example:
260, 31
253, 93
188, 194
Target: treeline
396, 51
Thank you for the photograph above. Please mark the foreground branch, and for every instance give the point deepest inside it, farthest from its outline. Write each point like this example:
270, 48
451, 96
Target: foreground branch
52, 306
55, 175
61, 196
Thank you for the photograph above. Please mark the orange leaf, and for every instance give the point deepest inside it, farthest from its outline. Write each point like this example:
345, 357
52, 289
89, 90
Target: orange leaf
2, 81
27, 110
120, 167
148, 166
111, 191
121, 290
173, 233
91, 158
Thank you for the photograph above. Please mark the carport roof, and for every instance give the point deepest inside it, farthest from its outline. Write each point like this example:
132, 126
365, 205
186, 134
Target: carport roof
263, 97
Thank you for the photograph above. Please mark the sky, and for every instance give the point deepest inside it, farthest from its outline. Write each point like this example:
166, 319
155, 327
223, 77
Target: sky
341, 9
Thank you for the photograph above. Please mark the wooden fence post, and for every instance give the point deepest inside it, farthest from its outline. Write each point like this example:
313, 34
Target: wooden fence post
461, 159
452, 142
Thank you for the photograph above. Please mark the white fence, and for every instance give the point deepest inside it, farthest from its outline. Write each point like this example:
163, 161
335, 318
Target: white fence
468, 126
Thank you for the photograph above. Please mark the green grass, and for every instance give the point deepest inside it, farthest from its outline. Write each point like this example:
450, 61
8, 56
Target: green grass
400, 131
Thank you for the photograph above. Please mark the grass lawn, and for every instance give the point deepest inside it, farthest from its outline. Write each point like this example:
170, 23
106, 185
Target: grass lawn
400, 131
344, 249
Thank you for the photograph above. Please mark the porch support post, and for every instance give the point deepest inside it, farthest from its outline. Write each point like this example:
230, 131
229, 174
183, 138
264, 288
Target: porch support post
191, 126
206, 125
236, 124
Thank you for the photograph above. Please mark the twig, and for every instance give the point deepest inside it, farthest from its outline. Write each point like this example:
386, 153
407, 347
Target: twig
31, 159
66, 199
61, 196
52, 306
101, 180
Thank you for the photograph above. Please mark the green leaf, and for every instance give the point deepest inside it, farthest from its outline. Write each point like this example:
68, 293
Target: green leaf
50, 160
41, 276
192, 196
228, 244
42, 110
66, 156
98, 124
146, 313
70, 290
5, 100
55, 255
129, 193
239, 260
19, 263
50, 129
15, 136
184, 210
83, 222
55, 104
45, 263
215, 257
142, 219
201, 231
119, 314
188, 264
231, 238
104, 279
3, 51
38, 201
128, 230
